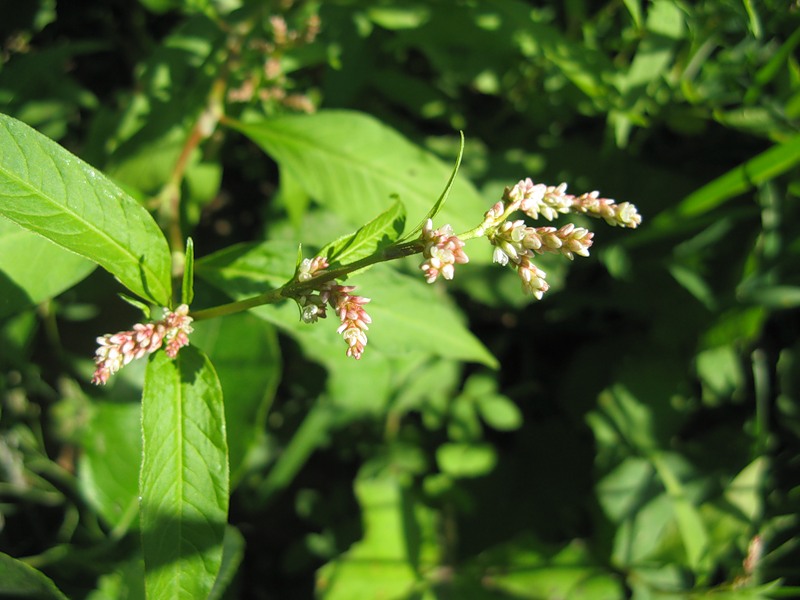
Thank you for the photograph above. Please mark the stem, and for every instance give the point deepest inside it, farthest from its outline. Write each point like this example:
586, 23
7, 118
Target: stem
295, 289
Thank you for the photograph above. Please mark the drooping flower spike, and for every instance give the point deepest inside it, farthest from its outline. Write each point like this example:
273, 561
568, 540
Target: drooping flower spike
118, 349
515, 243
349, 308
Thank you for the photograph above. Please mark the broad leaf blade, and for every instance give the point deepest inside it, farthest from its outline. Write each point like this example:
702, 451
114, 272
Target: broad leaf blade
184, 480
19, 580
247, 358
354, 164
24, 257
408, 315
46, 189
378, 233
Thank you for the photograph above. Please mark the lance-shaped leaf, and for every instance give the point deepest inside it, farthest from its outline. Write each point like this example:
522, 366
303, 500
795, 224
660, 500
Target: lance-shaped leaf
49, 191
353, 164
184, 482
378, 233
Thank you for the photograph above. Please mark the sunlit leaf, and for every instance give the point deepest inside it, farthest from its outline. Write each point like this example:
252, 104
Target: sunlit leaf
359, 164
184, 478
368, 239
49, 191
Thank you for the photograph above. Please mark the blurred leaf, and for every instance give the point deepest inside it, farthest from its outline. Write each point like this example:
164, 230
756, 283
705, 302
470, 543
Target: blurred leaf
500, 412
46, 189
187, 285
18, 580
411, 16
359, 164
233, 547
293, 197
767, 165
720, 372
247, 358
746, 491
771, 296
380, 232
397, 550
184, 478
24, 257
312, 433
466, 460
527, 569
690, 523
109, 464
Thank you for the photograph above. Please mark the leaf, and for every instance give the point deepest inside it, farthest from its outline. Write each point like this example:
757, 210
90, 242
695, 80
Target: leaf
690, 523
109, 464
187, 287
232, 554
24, 258
184, 477
756, 171
19, 580
437, 207
353, 164
46, 189
466, 460
247, 358
526, 568
366, 241
408, 315
398, 547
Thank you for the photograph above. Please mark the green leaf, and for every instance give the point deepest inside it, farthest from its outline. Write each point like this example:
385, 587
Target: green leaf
466, 460
184, 478
353, 164
146, 309
690, 523
437, 207
366, 241
187, 287
398, 547
24, 259
233, 548
408, 314
46, 189
526, 568
247, 358
109, 464
19, 580
758, 170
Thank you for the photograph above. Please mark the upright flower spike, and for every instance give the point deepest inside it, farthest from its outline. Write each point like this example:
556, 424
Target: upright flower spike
118, 349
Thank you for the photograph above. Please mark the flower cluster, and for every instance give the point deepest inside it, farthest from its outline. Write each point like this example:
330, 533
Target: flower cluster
550, 201
350, 309
517, 244
118, 349
442, 251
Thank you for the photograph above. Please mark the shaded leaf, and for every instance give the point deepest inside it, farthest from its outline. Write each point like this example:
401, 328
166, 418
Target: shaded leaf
184, 477
19, 580
24, 257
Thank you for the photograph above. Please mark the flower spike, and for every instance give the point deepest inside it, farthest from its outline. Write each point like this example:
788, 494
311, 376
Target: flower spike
118, 349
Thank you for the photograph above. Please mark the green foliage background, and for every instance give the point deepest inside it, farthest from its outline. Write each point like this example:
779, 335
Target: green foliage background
630, 435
